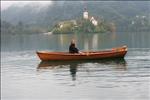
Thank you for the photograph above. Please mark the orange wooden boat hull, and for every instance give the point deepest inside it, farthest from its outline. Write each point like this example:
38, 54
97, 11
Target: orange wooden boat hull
119, 52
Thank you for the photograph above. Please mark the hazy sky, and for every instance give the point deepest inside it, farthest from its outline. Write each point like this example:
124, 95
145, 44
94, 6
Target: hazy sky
6, 4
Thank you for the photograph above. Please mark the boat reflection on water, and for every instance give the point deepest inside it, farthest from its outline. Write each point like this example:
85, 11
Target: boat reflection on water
118, 64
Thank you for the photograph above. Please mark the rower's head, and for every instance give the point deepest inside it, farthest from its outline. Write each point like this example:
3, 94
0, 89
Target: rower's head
72, 41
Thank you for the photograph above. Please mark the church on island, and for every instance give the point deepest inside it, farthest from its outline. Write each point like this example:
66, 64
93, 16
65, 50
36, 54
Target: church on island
85, 24
91, 18
85, 16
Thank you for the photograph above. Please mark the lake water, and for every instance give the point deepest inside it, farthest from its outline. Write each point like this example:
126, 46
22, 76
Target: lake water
25, 77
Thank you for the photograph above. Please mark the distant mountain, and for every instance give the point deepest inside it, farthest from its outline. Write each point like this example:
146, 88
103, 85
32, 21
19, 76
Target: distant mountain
122, 13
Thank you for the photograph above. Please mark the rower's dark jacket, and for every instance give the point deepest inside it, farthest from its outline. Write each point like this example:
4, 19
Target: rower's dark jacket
73, 49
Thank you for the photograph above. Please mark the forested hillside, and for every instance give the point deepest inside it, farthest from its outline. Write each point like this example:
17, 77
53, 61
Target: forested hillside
127, 15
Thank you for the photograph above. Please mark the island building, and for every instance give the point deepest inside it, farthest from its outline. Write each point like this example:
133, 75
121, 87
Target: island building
85, 14
87, 17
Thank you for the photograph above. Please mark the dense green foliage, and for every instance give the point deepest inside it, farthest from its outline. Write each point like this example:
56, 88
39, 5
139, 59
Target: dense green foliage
121, 13
19, 28
87, 26
68, 27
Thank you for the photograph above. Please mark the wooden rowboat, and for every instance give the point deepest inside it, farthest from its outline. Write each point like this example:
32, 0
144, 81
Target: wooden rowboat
118, 52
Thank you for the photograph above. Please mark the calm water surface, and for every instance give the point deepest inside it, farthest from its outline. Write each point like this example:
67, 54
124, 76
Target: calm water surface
25, 77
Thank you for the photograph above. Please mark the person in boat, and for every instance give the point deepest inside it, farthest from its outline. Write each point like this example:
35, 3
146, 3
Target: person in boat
73, 48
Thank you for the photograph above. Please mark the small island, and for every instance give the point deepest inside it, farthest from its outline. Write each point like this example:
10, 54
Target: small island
86, 24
